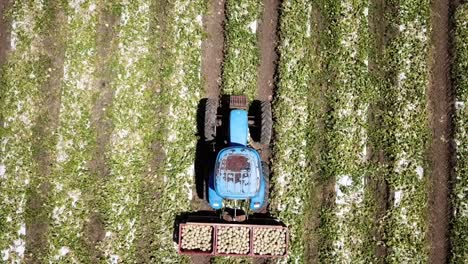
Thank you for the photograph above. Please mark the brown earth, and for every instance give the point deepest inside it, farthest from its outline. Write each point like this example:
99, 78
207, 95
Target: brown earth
5, 27
266, 72
213, 47
212, 61
44, 135
100, 118
441, 149
101, 122
268, 41
150, 191
382, 27
5, 34
152, 184
211, 67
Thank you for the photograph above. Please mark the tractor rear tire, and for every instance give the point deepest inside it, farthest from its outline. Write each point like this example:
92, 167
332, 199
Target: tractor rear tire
266, 123
211, 109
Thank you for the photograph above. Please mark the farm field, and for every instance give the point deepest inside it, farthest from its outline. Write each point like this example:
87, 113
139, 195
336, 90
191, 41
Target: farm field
99, 136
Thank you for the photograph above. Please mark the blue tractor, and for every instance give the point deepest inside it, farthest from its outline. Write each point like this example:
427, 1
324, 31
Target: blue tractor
238, 172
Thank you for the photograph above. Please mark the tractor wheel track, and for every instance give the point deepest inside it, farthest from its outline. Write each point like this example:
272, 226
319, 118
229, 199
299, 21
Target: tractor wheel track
379, 155
267, 69
45, 136
107, 30
212, 62
5, 35
211, 67
442, 148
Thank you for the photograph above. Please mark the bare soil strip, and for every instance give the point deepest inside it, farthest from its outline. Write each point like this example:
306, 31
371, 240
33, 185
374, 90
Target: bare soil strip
5, 27
441, 150
5, 33
212, 63
44, 134
152, 183
211, 68
266, 72
379, 156
100, 120
268, 41
213, 47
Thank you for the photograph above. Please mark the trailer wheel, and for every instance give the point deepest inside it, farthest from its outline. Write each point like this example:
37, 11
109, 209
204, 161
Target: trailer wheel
211, 109
266, 123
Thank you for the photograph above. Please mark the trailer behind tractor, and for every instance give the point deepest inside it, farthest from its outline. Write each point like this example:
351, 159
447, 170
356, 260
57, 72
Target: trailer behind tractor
237, 187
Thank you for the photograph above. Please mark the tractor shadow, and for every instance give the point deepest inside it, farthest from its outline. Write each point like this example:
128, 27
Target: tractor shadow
205, 154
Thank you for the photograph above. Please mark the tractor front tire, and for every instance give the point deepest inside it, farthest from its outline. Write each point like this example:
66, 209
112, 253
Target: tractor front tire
211, 109
266, 123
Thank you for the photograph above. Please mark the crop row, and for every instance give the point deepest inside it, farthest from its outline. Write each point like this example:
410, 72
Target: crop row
407, 219
184, 90
241, 52
290, 171
348, 95
460, 225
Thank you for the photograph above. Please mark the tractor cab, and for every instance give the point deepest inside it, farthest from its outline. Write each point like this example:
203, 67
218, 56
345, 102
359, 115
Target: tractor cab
238, 173
235, 176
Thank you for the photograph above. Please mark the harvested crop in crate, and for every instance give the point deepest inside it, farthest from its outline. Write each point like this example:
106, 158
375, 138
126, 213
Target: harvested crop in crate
233, 240
197, 237
269, 241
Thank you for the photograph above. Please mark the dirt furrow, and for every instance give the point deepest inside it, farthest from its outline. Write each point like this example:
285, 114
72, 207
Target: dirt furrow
44, 134
152, 184
379, 155
5, 27
266, 71
213, 47
268, 41
101, 123
441, 150
5, 34
211, 69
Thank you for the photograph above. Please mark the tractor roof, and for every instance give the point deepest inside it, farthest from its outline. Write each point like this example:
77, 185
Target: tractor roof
237, 173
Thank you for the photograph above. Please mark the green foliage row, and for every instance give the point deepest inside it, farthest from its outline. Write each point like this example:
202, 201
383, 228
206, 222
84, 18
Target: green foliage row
460, 223
290, 170
407, 222
241, 49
